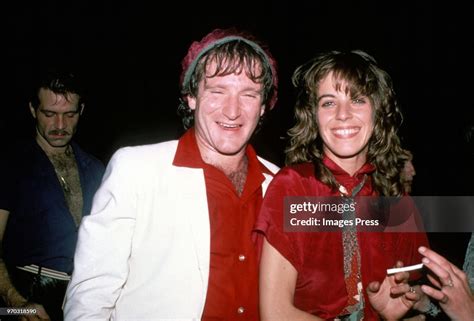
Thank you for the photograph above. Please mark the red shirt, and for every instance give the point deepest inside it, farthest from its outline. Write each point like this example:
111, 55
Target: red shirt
318, 256
233, 277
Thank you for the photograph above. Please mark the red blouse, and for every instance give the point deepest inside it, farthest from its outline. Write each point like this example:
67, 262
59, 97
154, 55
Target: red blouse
318, 256
233, 277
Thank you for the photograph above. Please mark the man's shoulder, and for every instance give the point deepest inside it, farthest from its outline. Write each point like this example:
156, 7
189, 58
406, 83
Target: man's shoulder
162, 147
159, 152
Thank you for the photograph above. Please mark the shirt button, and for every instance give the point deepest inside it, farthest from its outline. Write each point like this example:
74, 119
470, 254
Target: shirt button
240, 310
241, 257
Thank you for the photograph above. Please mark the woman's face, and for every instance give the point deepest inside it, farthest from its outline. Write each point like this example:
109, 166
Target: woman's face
345, 124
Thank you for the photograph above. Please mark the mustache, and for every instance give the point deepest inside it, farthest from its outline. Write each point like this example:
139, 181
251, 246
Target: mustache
58, 132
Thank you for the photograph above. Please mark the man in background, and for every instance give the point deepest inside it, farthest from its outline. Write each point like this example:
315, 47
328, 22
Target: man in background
408, 172
47, 187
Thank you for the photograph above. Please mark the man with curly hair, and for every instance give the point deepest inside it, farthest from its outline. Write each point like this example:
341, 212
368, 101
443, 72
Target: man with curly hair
169, 236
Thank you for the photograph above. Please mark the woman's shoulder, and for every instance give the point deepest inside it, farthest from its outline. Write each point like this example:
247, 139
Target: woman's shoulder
295, 176
305, 169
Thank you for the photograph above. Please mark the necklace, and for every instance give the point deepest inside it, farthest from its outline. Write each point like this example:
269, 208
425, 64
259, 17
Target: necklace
67, 174
62, 164
64, 184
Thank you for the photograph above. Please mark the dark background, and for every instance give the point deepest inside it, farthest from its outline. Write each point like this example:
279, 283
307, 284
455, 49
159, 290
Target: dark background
130, 53
130, 56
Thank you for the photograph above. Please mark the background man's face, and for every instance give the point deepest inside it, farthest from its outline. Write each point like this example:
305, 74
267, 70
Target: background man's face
56, 119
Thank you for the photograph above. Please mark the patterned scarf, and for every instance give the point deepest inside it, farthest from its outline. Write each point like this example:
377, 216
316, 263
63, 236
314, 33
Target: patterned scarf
354, 309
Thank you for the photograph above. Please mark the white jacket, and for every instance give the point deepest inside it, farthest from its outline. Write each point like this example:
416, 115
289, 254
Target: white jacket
143, 253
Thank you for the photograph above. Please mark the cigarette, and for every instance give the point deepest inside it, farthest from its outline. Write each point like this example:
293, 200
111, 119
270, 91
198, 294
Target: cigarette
405, 268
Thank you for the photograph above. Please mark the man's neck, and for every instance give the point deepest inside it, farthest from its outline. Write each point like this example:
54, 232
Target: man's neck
53, 151
227, 163
239, 177
235, 167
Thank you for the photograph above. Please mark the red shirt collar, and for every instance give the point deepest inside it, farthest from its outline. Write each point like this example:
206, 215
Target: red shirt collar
367, 168
188, 155
343, 177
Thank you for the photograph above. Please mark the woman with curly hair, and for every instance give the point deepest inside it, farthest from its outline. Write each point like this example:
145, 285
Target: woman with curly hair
344, 144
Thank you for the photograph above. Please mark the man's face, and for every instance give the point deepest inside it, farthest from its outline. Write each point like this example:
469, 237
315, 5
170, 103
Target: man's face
56, 119
227, 111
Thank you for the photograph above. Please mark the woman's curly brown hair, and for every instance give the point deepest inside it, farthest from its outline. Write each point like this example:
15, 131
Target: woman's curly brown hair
362, 75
